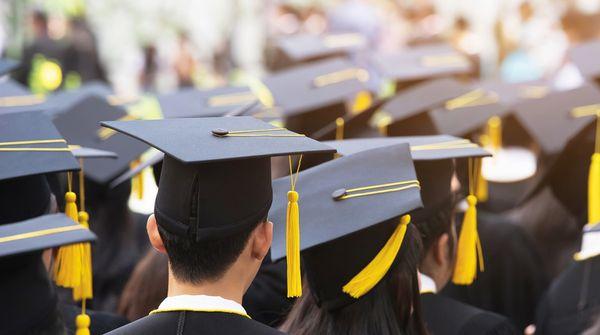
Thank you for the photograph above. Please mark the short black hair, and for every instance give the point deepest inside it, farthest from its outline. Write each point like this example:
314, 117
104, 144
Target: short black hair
197, 261
435, 224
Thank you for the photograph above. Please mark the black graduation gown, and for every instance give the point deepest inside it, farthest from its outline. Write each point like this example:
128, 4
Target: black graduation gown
101, 322
266, 299
572, 302
445, 316
198, 323
513, 281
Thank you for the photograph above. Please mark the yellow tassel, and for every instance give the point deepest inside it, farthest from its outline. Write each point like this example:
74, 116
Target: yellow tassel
469, 247
494, 130
84, 290
594, 190
481, 187
294, 278
362, 101
368, 277
137, 182
82, 322
69, 259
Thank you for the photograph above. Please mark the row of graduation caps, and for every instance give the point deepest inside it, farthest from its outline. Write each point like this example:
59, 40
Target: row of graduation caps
310, 98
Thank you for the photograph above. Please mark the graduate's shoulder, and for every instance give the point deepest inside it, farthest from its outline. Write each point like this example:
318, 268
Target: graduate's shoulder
186, 322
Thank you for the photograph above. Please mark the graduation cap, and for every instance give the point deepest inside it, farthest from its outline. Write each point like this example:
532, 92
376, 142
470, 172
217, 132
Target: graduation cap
309, 47
433, 156
31, 145
556, 118
7, 65
192, 102
407, 112
81, 125
584, 56
313, 95
350, 201
213, 163
138, 168
25, 278
15, 97
423, 62
62, 101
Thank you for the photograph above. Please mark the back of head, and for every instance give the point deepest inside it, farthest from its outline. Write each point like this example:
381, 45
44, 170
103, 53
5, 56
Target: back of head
391, 307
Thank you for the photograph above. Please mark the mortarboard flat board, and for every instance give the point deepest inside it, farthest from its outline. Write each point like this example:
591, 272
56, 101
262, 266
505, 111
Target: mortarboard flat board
407, 113
225, 159
551, 120
192, 102
15, 97
61, 101
85, 153
40, 233
81, 125
312, 95
422, 62
584, 56
306, 47
30, 145
352, 200
7, 65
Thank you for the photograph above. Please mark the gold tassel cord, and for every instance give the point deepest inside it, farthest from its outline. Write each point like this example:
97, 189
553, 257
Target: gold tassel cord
294, 276
469, 251
477, 97
340, 76
494, 131
85, 290
376, 189
482, 190
339, 129
372, 274
231, 99
40, 233
22, 100
137, 182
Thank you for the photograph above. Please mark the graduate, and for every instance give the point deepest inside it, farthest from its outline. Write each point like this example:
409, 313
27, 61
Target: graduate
210, 217
359, 249
446, 254
31, 149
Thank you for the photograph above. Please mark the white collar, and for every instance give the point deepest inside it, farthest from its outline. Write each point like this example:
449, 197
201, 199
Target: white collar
427, 284
200, 303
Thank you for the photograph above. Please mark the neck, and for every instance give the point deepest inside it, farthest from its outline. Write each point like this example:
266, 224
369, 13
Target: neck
224, 287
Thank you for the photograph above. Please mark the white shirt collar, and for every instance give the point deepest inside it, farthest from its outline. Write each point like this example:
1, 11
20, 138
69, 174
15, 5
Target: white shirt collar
427, 284
200, 303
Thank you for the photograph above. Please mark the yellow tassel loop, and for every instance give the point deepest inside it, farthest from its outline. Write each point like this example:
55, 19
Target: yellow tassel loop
372, 274
82, 322
469, 250
494, 130
84, 290
481, 191
294, 276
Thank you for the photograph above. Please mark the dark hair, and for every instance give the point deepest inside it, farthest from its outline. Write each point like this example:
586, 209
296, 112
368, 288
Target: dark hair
392, 307
196, 261
146, 287
435, 224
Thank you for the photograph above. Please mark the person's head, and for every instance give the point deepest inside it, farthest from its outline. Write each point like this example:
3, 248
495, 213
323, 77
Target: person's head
39, 23
196, 262
436, 220
391, 307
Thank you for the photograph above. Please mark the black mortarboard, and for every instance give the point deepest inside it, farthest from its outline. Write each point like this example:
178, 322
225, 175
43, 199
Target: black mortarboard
7, 65
83, 152
433, 156
306, 47
15, 97
31, 145
25, 278
350, 201
80, 125
232, 162
310, 96
138, 168
192, 102
42, 232
584, 56
422, 62
551, 120
407, 113
62, 101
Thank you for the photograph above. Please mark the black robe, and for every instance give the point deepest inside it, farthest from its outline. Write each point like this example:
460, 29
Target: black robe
101, 322
572, 302
513, 281
445, 316
198, 323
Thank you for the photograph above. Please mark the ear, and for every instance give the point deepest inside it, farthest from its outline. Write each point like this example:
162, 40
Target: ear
154, 236
441, 253
262, 236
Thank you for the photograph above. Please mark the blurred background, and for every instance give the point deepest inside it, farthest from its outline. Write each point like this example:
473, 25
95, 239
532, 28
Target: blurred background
157, 46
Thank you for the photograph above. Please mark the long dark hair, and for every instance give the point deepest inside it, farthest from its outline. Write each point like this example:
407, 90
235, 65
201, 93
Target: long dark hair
391, 307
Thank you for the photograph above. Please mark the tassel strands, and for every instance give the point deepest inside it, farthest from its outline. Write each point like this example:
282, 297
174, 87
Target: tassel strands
372, 274
594, 179
469, 251
294, 277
